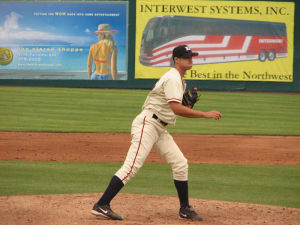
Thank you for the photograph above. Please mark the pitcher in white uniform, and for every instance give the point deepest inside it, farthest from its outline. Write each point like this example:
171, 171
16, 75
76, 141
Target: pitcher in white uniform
148, 131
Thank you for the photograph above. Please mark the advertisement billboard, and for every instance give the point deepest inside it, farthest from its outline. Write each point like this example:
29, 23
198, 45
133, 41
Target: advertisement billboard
236, 40
59, 40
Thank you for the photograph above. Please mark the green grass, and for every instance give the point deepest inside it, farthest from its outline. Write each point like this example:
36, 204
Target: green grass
104, 110
274, 185
68, 109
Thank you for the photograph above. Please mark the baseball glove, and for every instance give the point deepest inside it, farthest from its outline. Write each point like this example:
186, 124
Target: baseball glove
190, 97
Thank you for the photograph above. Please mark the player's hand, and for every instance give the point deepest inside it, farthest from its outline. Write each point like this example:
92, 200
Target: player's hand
213, 114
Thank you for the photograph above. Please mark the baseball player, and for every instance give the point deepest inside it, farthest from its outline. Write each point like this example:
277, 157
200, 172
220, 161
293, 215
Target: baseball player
162, 105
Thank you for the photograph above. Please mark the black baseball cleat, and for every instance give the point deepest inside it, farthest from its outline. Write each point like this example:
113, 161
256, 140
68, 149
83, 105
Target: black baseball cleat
105, 211
189, 213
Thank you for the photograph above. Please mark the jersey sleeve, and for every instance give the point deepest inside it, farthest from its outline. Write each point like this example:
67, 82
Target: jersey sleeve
173, 90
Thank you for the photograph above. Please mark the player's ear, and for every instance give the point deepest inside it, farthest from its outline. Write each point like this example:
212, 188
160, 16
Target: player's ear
175, 60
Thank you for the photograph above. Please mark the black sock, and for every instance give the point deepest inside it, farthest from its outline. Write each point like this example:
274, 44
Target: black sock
113, 188
183, 192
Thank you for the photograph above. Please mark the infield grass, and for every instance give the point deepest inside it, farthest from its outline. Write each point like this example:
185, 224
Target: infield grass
109, 110
274, 185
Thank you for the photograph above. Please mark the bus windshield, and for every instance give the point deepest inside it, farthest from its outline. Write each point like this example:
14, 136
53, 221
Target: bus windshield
155, 33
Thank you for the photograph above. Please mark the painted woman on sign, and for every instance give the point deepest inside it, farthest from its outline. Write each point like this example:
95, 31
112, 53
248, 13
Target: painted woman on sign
103, 54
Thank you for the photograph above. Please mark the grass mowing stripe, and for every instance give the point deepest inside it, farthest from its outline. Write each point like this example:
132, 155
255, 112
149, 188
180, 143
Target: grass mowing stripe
74, 109
274, 185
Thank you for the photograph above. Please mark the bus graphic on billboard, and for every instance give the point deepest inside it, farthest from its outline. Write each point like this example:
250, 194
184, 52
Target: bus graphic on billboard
216, 40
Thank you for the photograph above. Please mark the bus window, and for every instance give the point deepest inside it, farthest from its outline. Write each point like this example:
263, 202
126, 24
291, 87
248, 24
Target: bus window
163, 29
149, 31
183, 28
149, 34
161, 32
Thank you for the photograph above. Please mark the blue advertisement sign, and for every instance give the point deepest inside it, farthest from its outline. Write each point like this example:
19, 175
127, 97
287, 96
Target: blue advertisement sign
47, 40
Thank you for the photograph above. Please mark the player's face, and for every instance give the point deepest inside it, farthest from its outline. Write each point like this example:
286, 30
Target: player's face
185, 63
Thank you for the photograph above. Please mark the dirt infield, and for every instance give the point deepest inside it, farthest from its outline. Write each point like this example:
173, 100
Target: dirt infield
107, 147
143, 209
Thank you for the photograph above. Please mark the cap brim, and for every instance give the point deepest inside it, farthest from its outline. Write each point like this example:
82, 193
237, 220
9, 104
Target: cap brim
190, 54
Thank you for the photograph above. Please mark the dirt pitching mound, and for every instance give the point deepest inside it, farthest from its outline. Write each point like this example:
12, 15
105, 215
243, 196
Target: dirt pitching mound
136, 209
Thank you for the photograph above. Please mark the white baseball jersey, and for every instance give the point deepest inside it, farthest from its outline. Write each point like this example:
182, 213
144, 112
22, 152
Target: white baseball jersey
170, 87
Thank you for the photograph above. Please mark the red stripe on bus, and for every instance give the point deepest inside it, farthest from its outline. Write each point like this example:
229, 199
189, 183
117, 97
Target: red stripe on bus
199, 57
176, 44
136, 151
207, 40
236, 42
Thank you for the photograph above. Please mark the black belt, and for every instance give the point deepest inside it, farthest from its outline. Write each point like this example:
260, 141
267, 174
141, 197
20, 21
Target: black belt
162, 122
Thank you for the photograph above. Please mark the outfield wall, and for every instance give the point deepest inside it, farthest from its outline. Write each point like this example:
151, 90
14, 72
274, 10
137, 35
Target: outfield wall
133, 83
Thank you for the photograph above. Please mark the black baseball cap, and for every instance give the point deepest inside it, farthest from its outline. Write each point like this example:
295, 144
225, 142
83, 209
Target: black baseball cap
183, 51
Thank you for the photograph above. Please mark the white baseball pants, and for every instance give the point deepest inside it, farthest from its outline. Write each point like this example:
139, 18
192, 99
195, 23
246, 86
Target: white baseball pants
148, 133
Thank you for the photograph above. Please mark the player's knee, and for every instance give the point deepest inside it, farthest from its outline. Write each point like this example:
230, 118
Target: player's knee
183, 166
180, 170
126, 173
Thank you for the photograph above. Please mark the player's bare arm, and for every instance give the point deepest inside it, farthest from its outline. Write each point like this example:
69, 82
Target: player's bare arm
184, 111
